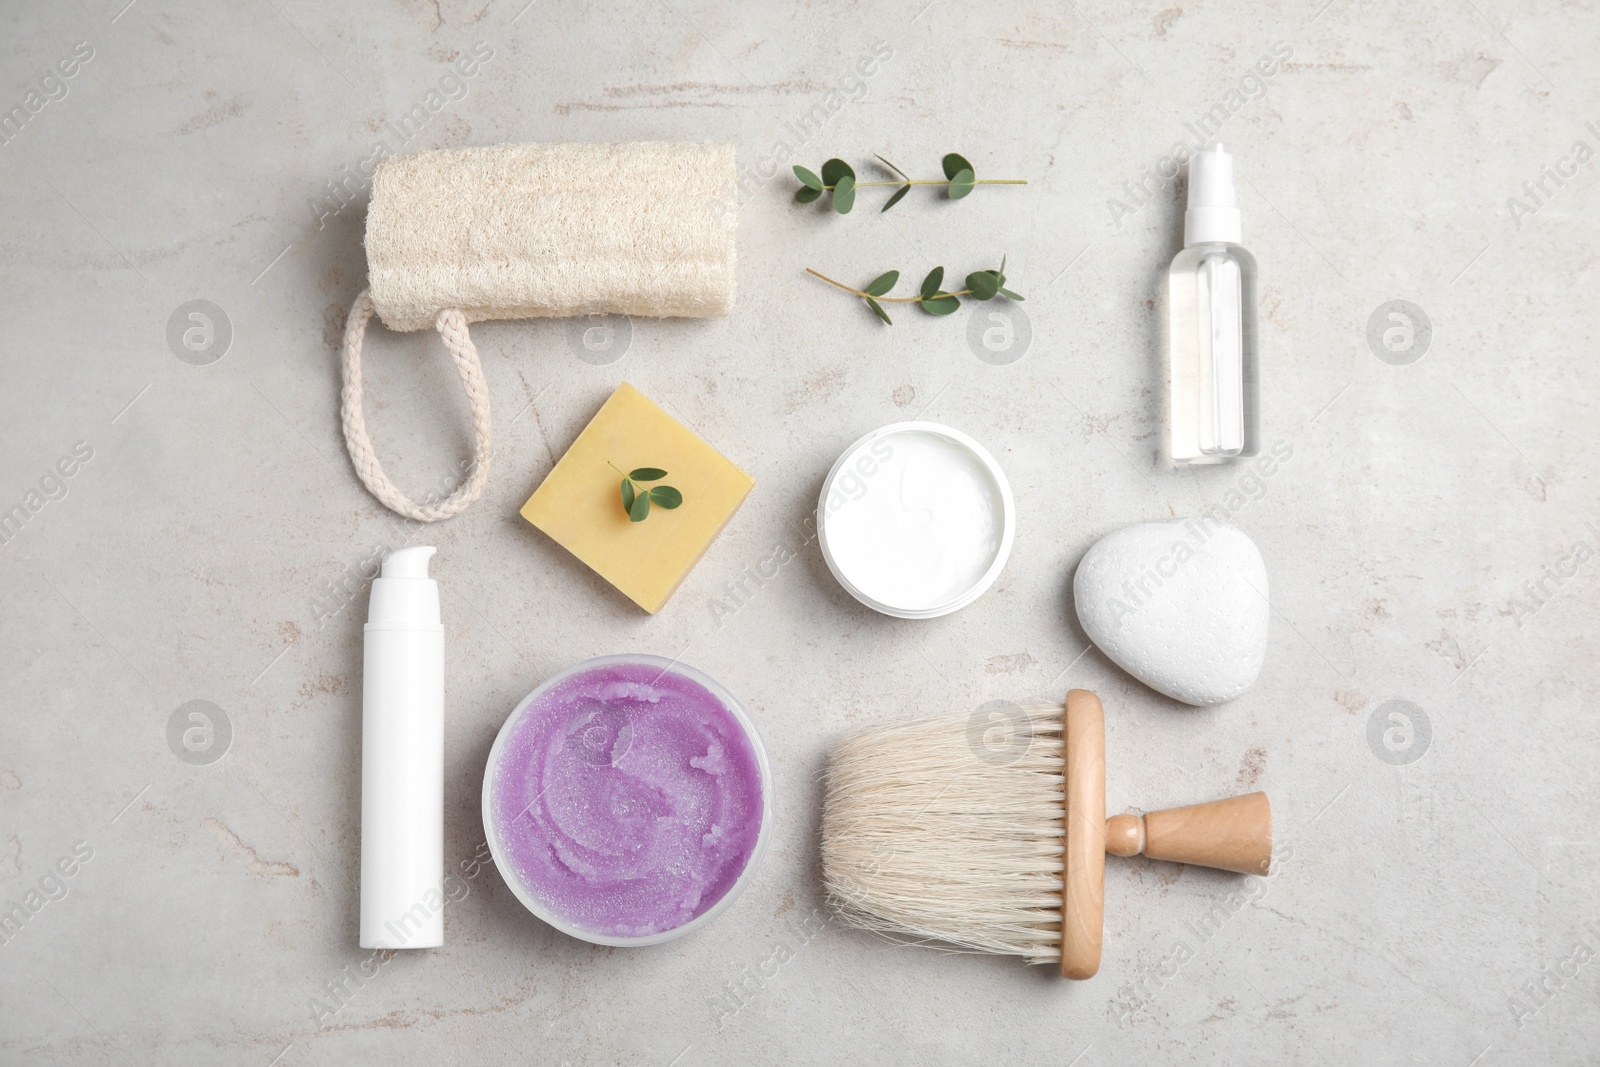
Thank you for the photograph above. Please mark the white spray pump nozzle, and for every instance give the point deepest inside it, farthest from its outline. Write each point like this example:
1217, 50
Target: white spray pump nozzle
1213, 213
408, 562
402, 593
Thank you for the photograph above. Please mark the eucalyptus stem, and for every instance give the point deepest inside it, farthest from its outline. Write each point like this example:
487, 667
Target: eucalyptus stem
936, 181
981, 285
883, 299
838, 182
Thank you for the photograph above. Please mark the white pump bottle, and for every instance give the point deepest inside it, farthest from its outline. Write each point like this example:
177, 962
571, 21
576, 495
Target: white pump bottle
402, 758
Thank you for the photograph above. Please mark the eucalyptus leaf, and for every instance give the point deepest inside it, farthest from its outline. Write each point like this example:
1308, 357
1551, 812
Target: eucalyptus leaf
639, 510
665, 496
883, 283
892, 167
805, 194
1010, 295
808, 179
834, 169
983, 284
844, 194
628, 493
895, 199
877, 309
955, 164
961, 184
647, 474
940, 304
930, 284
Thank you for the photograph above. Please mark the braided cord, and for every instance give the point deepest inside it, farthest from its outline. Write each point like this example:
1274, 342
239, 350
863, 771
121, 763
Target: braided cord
452, 327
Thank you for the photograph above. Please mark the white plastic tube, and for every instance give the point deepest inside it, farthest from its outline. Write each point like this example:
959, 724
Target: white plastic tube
402, 758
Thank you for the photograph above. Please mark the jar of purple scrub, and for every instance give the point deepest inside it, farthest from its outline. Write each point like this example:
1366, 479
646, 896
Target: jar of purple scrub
627, 800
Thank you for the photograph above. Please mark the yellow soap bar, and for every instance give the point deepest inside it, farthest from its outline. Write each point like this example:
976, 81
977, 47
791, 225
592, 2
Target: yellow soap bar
579, 503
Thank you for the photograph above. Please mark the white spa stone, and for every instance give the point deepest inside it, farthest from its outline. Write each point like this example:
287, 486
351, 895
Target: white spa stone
1179, 604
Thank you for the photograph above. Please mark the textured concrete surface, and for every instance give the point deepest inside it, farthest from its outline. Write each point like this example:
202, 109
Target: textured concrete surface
1430, 528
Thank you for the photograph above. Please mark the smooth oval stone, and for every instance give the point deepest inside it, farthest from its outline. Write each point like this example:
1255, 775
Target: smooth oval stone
1180, 604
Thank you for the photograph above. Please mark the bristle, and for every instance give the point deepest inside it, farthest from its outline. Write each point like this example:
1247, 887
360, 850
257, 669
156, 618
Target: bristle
937, 830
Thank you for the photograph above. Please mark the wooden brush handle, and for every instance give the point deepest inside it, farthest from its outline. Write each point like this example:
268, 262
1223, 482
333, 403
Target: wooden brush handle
1231, 835
1084, 881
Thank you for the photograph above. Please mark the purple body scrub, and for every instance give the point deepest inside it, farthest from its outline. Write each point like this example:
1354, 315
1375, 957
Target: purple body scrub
625, 798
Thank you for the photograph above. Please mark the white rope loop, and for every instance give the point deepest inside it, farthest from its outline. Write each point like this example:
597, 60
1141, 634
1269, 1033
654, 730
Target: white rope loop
452, 327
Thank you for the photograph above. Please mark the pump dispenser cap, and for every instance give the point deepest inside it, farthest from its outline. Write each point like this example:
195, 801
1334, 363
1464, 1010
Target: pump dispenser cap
1213, 213
408, 562
403, 596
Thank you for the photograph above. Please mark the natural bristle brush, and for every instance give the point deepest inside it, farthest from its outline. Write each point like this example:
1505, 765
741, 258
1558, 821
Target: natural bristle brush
932, 833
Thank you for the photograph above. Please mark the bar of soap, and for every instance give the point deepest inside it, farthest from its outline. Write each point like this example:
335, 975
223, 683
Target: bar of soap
579, 503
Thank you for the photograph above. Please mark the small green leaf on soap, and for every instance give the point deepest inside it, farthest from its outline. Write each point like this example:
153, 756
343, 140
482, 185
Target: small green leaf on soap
939, 304
808, 179
636, 503
930, 284
877, 309
883, 283
805, 194
1009, 294
961, 184
895, 199
983, 284
834, 169
844, 194
954, 164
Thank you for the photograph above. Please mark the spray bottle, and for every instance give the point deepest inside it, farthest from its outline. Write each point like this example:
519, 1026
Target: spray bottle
1211, 301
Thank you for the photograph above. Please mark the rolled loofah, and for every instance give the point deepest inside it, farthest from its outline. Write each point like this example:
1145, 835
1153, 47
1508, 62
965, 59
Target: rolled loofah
542, 230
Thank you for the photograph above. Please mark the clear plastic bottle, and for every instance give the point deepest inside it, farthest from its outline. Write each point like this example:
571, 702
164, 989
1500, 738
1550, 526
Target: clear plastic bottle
1211, 301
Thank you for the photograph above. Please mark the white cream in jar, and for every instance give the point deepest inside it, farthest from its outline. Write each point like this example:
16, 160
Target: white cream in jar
916, 519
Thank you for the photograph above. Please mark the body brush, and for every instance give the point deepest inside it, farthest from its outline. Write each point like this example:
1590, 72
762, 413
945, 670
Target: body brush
992, 835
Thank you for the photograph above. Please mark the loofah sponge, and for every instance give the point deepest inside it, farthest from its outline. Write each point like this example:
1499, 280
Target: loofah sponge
541, 230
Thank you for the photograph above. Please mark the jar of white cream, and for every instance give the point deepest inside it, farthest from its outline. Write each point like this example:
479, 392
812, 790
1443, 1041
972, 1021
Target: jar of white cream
916, 520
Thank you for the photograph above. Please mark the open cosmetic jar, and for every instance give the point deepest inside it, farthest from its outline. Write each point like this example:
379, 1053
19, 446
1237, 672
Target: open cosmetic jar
627, 800
916, 520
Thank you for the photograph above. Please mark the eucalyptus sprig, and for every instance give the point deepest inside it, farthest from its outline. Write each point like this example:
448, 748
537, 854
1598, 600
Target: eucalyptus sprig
637, 503
839, 178
981, 285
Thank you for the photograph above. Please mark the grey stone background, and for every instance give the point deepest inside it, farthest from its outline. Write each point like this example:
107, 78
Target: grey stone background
1430, 538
